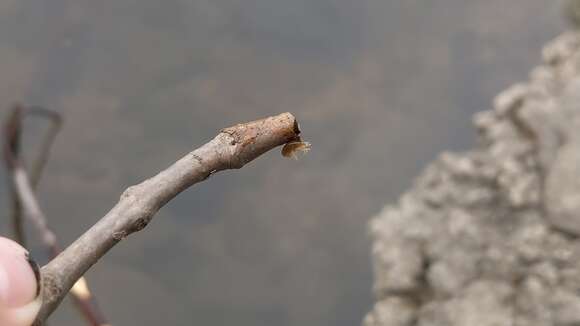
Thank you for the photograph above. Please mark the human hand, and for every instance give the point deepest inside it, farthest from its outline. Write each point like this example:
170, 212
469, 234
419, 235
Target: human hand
19, 302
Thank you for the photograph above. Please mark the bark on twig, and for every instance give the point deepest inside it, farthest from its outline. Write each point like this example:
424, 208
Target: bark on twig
55, 124
24, 198
11, 149
81, 295
12, 153
232, 148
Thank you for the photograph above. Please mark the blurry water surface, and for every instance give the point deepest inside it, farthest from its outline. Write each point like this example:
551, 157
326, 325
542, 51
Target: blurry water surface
380, 87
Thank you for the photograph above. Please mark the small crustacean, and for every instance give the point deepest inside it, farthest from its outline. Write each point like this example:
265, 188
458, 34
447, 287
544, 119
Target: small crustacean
292, 148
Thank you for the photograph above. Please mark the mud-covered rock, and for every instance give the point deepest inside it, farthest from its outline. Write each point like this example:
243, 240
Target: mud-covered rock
491, 236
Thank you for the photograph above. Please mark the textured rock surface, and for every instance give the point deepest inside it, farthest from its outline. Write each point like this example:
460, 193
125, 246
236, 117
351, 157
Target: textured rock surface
490, 237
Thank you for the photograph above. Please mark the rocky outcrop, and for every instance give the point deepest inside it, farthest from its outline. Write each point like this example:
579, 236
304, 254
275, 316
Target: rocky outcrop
491, 237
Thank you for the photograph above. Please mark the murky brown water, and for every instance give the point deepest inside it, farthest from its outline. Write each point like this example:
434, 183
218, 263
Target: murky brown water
380, 87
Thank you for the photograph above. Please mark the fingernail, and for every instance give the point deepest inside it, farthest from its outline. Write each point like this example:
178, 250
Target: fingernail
36, 270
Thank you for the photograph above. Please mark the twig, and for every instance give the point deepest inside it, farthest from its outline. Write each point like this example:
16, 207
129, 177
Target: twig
31, 208
16, 218
26, 199
80, 292
44, 153
12, 152
11, 149
232, 148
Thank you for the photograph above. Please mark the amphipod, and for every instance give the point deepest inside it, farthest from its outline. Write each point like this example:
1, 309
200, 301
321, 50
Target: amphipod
293, 148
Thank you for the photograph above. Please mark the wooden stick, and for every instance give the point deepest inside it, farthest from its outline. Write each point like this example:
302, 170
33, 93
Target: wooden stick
232, 148
25, 197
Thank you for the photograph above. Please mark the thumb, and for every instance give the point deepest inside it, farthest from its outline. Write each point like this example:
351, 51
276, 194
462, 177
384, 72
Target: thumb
18, 285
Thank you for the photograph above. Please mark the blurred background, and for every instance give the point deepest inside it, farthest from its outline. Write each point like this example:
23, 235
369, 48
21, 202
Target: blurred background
379, 86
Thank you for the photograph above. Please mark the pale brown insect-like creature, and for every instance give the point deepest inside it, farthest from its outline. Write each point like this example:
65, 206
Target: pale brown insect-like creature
293, 148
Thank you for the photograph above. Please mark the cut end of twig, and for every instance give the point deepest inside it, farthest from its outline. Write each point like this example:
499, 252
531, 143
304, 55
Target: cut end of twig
253, 138
284, 126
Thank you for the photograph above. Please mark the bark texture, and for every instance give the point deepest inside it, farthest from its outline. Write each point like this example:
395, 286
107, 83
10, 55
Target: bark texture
232, 148
490, 237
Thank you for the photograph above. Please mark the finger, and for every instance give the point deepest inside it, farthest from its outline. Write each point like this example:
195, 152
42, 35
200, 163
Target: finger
17, 279
18, 285
20, 316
